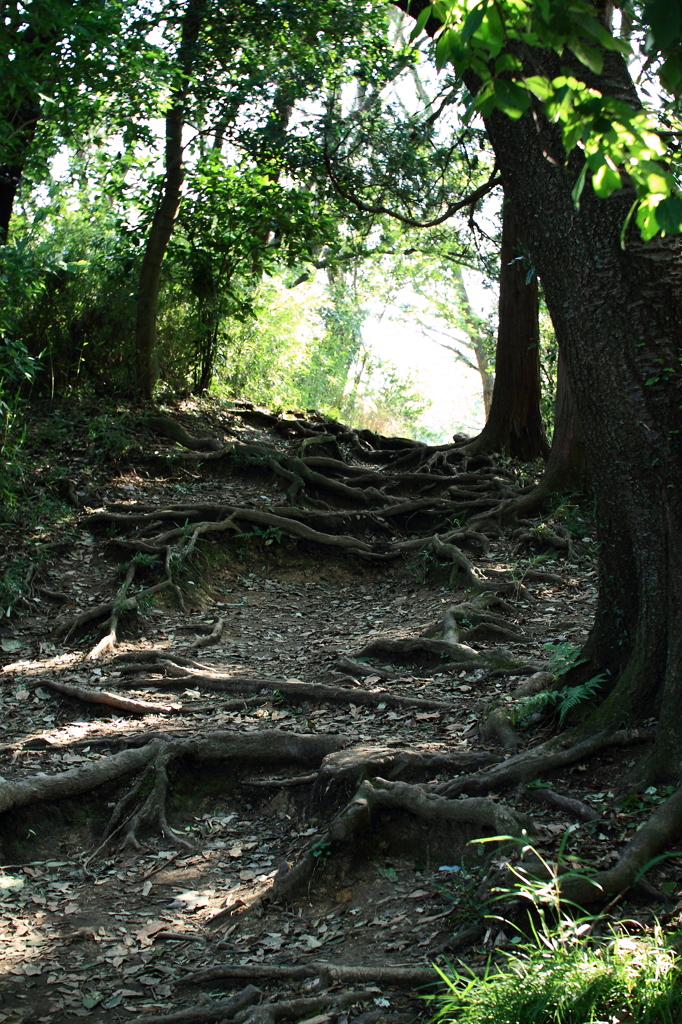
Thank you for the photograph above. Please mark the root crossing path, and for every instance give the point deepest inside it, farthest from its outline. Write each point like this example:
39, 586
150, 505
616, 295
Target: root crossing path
261, 699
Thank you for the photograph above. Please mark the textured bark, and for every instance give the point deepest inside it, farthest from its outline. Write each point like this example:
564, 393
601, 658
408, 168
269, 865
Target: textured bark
163, 223
617, 312
565, 470
514, 424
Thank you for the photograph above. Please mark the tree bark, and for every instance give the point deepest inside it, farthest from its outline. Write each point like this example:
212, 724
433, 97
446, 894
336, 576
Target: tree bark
566, 471
163, 223
514, 424
477, 343
617, 312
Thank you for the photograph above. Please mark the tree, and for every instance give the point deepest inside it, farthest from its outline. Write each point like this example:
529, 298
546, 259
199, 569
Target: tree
514, 424
165, 215
229, 82
68, 64
617, 311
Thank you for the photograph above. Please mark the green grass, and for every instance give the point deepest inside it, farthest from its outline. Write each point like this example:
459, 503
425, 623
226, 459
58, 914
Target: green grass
566, 973
624, 979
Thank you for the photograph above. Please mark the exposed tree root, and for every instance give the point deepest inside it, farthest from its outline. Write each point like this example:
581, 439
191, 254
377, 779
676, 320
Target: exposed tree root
221, 1009
342, 772
565, 803
422, 649
168, 427
266, 1012
212, 638
487, 815
210, 679
100, 611
497, 727
389, 977
111, 700
269, 746
661, 831
108, 642
76, 780
539, 760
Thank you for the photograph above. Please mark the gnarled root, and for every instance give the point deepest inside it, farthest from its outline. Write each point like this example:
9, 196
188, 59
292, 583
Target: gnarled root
268, 746
498, 728
221, 1009
540, 760
487, 815
662, 830
342, 772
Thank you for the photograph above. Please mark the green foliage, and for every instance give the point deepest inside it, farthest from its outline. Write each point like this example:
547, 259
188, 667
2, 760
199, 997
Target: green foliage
619, 143
565, 699
563, 657
566, 973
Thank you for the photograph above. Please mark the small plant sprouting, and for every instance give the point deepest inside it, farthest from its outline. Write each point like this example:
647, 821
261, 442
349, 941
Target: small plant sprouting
563, 657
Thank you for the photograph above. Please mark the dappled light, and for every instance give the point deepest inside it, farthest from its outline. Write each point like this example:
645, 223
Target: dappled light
340, 512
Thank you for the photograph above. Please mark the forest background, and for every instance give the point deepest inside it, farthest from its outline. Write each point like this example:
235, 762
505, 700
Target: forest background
214, 199
283, 258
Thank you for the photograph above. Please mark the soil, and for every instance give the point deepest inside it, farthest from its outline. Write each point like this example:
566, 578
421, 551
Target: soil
93, 930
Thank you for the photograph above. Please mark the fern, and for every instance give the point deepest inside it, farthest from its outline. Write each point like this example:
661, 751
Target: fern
563, 657
574, 695
566, 698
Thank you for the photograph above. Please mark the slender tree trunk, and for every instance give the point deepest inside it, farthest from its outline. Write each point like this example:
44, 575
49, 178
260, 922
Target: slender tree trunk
487, 378
163, 223
514, 423
565, 472
158, 238
476, 342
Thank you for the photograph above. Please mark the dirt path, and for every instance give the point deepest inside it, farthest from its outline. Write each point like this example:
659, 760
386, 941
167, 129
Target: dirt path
91, 930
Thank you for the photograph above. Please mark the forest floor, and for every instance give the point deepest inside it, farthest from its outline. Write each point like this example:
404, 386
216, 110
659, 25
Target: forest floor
189, 901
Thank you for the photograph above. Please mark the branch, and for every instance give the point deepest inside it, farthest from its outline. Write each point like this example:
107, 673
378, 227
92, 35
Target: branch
452, 208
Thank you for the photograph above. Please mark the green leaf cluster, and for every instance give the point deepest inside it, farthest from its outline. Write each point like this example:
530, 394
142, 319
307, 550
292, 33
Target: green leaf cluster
623, 147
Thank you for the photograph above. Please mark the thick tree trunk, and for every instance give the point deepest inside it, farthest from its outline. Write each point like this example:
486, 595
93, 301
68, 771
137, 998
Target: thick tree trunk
163, 223
617, 313
514, 424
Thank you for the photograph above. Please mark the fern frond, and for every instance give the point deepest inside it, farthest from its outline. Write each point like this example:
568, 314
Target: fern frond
574, 695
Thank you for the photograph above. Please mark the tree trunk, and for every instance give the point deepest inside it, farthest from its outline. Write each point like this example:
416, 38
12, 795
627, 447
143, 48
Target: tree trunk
476, 342
617, 312
565, 472
514, 424
167, 210
487, 378
22, 126
565, 469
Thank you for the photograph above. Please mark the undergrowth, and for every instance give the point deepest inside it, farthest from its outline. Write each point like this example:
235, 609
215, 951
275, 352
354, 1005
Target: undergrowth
566, 973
